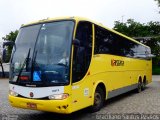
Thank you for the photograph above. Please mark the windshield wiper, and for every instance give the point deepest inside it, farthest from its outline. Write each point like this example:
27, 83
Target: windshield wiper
26, 61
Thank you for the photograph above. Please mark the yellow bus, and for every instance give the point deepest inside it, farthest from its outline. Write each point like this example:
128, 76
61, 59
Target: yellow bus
63, 65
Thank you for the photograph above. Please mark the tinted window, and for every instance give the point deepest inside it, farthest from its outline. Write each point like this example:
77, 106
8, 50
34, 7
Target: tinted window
107, 42
82, 54
103, 41
25, 41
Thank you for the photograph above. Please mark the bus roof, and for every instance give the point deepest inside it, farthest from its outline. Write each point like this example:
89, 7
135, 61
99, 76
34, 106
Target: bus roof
81, 19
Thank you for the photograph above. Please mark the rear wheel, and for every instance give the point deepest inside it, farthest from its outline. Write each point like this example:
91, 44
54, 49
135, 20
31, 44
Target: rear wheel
144, 85
98, 100
139, 87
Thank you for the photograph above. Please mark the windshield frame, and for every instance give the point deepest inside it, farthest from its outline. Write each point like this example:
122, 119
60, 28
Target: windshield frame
31, 82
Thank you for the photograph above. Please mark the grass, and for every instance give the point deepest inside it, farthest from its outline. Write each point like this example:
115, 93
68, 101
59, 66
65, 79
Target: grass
156, 70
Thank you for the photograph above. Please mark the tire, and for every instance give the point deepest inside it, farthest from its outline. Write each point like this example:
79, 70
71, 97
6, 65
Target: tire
139, 87
144, 85
98, 100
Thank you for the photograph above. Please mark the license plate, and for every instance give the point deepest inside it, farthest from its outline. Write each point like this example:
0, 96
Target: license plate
32, 105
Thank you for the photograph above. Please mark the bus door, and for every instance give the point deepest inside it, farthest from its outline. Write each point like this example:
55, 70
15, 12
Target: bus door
82, 54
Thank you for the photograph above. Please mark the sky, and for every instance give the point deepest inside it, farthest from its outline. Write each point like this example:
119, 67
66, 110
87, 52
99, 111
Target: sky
14, 13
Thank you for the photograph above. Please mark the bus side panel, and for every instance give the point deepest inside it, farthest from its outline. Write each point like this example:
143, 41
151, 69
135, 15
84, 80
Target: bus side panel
82, 93
115, 73
120, 75
149, 71
114, 77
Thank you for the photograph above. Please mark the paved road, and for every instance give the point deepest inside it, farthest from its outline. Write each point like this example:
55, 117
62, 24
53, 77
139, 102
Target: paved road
146, 102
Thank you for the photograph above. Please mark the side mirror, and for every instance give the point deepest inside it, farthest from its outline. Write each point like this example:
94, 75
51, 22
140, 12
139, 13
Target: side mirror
8, 43
76, 42
4, 55
4, 52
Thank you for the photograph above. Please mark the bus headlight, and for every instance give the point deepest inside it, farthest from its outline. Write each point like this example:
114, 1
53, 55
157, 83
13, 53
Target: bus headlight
59, 96
13, 93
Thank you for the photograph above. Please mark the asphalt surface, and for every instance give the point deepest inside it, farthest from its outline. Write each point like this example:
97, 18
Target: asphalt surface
146, 102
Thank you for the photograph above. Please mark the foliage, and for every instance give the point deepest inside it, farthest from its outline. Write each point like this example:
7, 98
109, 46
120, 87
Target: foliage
158, 2
10, 37
136, 29
154, 43
156, 70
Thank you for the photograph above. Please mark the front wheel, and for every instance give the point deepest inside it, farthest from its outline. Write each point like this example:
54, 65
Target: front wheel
98, 100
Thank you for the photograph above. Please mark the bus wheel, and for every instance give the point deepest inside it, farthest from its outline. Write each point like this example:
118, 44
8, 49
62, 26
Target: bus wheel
139, 87
98, 100
144, 85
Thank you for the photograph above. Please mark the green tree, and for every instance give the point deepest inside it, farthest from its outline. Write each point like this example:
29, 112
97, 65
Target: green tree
158, 2
10, 37
135, 29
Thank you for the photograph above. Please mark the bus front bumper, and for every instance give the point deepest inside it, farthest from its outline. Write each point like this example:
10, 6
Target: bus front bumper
57, 106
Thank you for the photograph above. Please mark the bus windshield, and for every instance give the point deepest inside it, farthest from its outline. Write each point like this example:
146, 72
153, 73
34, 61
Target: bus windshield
43, 52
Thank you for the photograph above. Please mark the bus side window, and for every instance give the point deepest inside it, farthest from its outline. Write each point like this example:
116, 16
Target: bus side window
104, 41
82, 54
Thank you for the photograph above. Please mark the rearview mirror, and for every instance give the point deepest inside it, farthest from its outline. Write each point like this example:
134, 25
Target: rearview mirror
4, 52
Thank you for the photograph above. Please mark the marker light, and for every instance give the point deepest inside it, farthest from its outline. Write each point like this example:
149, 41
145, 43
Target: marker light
24, 78
59, 96
12, 93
